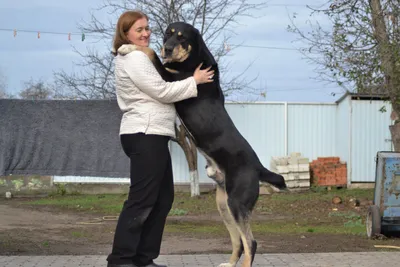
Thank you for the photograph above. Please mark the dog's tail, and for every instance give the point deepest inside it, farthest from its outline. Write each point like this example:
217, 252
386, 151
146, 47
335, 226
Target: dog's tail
273, 179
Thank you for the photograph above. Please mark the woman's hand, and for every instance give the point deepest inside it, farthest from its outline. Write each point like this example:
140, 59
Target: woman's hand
203, 76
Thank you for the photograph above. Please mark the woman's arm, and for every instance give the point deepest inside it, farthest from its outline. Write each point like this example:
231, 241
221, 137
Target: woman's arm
143, 73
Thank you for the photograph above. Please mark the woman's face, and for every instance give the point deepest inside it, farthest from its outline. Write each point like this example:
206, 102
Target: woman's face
139, 33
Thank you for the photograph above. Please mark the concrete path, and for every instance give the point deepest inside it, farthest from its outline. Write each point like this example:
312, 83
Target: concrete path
359, 259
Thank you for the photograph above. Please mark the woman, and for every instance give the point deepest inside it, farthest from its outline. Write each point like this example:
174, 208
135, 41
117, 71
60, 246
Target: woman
149, 115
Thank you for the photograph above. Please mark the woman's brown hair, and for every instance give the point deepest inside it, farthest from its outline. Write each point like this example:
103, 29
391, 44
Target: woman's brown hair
125, 22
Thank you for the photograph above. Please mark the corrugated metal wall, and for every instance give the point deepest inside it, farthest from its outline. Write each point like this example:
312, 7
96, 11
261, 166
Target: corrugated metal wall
314, 130
370, 134
261, 124
343, 129
311, 129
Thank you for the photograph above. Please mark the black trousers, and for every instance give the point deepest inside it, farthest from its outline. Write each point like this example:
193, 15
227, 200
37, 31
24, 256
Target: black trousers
141, 223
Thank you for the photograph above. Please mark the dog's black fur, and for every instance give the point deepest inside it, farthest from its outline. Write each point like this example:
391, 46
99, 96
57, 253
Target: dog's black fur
233, 163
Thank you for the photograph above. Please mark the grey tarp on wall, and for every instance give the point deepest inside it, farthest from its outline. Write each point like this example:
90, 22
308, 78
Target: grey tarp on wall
61, 137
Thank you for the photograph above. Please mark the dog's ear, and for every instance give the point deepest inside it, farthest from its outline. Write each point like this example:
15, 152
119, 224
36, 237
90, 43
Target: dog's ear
203, 49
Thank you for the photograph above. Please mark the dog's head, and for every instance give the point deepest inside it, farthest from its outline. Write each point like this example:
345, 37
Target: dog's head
183, 43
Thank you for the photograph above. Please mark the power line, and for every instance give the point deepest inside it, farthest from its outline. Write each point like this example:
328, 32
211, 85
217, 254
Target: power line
83, 35
266, 47
274, 5
287, 5
32, 31
69, 34
300, 89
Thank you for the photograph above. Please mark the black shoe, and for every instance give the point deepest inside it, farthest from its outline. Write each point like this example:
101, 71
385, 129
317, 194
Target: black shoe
122, 265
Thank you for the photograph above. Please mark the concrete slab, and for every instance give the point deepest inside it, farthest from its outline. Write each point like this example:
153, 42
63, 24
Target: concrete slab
356, 259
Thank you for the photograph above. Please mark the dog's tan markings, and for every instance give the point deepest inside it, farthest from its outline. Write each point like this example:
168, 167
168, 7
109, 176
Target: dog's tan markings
231, 225
240, 232
214, 172
180, 54
247, 239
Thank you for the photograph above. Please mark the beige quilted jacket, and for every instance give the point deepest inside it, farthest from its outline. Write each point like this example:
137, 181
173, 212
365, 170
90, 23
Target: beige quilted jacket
145, 99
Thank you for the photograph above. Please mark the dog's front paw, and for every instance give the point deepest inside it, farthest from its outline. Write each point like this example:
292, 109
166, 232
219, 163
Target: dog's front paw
227, 265
127, 48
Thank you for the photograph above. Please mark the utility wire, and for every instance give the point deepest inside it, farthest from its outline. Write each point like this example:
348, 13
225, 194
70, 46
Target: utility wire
300, 89
92, 35
32, 31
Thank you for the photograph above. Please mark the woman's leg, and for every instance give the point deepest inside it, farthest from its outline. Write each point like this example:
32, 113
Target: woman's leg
149, 159
153, 228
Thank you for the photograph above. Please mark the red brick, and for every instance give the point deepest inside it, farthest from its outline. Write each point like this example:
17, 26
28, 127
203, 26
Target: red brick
328, 171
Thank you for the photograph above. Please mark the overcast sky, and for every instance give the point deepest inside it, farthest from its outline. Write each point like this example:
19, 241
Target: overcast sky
284, 74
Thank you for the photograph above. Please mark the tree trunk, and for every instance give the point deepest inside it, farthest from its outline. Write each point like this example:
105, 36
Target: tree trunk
395, 132
388, 60
194, 183
189, 148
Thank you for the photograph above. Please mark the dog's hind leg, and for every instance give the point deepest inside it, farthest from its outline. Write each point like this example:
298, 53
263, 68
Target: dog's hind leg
242, 220
249, 243
241, 200
230, 223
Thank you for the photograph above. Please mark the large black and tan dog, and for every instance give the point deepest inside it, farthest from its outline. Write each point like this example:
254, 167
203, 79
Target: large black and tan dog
231, 161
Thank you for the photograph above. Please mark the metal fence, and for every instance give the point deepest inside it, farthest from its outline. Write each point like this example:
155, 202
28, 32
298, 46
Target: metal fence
353, 130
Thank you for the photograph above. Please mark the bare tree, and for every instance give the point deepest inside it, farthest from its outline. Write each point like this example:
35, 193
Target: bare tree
360, 52
216, 21
36, 90
96, 80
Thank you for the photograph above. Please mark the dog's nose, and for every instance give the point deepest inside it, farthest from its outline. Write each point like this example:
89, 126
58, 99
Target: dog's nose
168, 50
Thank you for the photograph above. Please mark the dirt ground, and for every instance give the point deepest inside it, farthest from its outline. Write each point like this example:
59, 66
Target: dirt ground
45, 230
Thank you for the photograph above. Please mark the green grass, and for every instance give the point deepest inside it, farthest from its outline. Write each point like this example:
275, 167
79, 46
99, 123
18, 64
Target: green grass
78, 234
105, 204
212, 228
177, 212
290, 228
203, 204
323, 195
215, 228
347, 215
308, 212
112, 204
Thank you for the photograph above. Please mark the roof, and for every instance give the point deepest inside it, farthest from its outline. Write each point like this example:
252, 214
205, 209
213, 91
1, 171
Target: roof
363, 96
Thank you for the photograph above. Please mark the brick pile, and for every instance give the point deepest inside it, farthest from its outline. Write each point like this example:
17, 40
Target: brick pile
295, 169
328, 171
